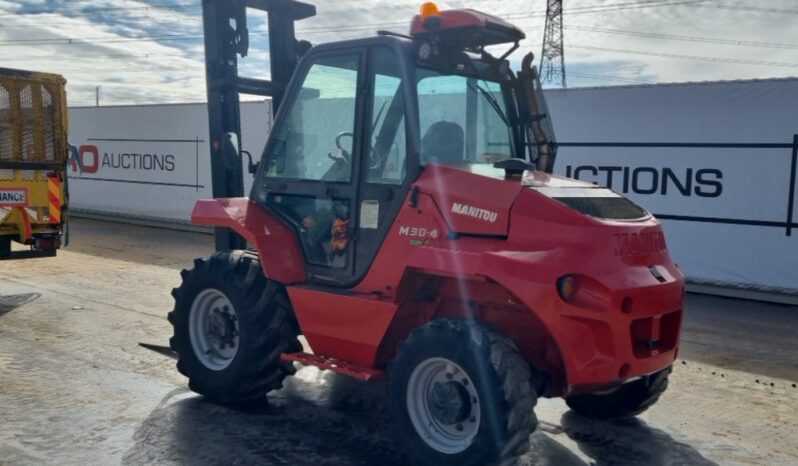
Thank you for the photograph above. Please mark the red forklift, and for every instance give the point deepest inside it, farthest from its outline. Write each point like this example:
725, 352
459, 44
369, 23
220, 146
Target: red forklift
405, 220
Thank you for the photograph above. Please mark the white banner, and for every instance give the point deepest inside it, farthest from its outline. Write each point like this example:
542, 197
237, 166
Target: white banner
725, 210
712, 183
150, 161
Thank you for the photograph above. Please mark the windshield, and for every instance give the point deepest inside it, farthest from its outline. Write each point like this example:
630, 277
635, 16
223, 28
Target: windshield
463, 119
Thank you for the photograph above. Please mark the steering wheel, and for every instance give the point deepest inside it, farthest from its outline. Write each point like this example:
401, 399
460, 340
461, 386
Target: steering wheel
345, 156
374, 158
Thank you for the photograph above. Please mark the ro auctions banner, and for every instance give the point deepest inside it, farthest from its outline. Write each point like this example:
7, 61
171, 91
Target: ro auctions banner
149, 161
729, 212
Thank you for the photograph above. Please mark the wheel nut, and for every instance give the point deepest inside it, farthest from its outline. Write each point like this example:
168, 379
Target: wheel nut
459, 427
472, 419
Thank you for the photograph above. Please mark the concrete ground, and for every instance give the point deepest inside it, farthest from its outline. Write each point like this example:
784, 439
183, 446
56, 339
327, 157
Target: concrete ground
76, 389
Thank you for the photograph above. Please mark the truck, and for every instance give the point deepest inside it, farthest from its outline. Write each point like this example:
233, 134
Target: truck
405, 220
33, 157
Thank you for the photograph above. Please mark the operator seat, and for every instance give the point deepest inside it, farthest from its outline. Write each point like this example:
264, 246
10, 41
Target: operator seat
444, 142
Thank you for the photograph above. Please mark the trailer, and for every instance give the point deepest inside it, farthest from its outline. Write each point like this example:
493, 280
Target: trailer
33, 158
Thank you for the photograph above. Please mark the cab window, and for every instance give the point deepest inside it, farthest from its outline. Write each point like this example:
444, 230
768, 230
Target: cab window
462, 119
316, 139
387, 151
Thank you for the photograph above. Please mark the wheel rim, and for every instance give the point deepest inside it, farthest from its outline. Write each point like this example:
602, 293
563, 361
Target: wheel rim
443, 405
213, 329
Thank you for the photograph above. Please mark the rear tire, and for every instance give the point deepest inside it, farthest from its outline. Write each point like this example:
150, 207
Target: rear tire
231, 324
5, 246
627, 400
461, 396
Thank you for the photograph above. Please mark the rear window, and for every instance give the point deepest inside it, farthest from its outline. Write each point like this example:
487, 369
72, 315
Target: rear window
596, 202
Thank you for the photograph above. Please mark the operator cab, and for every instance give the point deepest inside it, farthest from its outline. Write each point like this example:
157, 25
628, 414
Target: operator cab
362, 118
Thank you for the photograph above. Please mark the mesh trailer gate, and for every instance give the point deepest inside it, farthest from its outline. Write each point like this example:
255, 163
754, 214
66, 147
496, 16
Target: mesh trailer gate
33, 158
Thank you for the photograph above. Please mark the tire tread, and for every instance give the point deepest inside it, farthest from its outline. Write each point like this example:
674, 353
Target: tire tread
518, 399
624, 402
262, 304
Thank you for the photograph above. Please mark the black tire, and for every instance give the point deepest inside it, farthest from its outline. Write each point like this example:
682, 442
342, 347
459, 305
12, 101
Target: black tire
627, 400
5, 246
498, 374
266, 328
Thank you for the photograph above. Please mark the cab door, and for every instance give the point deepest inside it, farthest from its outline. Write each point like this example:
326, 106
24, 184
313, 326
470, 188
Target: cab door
312, 161
335, 166
388, 150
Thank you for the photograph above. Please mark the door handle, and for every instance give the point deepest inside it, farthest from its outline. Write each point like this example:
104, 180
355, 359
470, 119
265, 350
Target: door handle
275, 186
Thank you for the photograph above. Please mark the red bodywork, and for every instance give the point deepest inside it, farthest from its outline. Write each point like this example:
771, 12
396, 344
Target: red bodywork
491, 249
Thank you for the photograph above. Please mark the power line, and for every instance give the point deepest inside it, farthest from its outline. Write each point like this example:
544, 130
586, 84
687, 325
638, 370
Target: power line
91, 10
56, 21
707, 40
97, 40
752, 9
578, 46
186, 6
630, 5
687, 57
572, 10
601, 77
93, 56
335, 29
640, 5
167, 37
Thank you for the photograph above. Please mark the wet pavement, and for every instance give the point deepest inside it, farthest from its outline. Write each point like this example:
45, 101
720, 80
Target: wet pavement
76, 389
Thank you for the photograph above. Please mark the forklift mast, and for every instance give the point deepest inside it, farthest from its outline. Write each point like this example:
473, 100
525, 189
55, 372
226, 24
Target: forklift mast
227, 37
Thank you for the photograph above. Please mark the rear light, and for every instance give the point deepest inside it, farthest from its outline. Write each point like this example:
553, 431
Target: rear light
567, 286
584, 291
47, 243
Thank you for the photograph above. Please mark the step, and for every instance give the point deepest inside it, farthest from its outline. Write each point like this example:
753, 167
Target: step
365, 374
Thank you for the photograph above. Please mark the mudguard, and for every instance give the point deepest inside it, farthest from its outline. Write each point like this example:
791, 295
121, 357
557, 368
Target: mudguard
279, 253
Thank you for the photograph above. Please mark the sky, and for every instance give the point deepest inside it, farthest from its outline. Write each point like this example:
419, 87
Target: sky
151, 51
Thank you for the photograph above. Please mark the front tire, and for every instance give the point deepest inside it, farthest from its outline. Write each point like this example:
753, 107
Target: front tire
627, 400
231, 324
461, 396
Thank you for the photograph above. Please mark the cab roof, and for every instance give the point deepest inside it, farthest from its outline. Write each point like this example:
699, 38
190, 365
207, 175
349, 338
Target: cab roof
464, 29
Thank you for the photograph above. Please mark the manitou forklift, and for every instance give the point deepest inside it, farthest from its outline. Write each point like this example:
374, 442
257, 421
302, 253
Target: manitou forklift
405, 220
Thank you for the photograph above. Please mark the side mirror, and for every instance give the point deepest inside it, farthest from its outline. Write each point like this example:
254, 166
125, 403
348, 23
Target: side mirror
251, 167
234, 152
